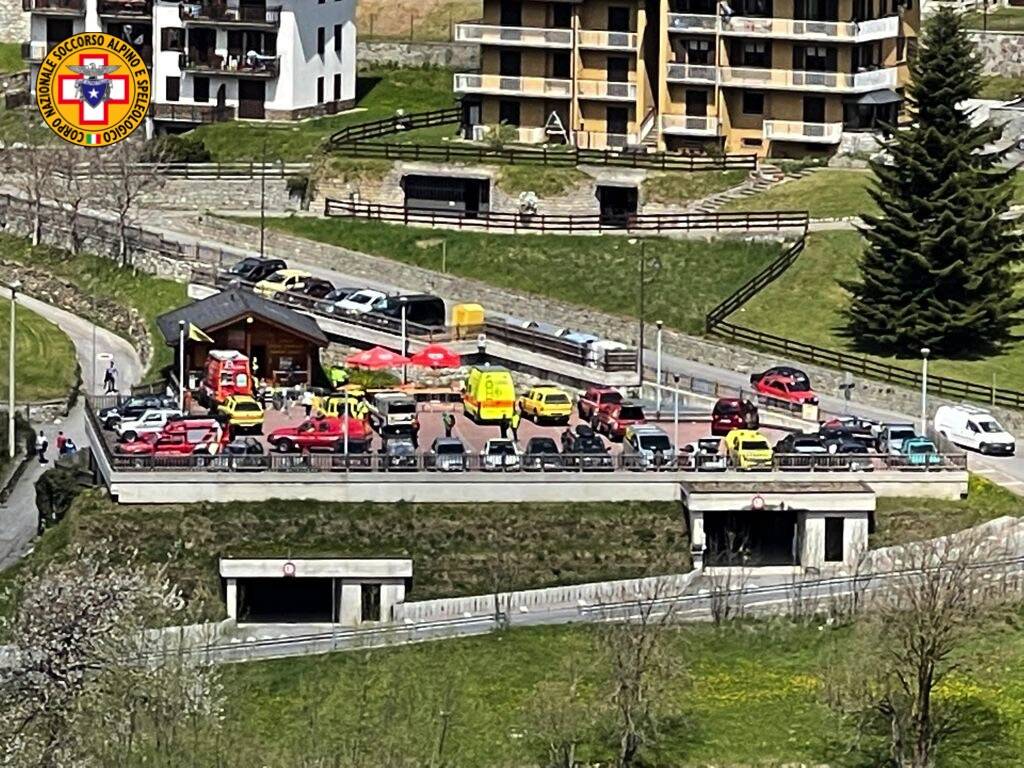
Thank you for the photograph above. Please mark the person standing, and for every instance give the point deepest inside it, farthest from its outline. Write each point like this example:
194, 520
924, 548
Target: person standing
41, 445
503, 426
514, 424
307, 402
416, 433
449, 423
61, 442
110, 379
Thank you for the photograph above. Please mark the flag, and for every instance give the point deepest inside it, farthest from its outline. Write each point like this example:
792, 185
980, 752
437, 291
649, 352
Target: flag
196, 334
92, 138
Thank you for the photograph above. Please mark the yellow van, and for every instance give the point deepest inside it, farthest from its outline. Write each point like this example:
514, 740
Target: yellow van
490, 394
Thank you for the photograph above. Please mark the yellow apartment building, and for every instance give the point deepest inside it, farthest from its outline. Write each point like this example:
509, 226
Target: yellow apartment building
778, 77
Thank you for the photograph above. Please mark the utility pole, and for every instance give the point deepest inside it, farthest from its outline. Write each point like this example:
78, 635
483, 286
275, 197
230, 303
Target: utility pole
263, 197
10, 373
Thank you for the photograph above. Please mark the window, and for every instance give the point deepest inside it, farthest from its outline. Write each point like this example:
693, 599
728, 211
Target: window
172, 39
561, 15
201, 89
511, 13
173, 88
319, 90
756, 54
618, 18
833, 539
337, 87
699, 52
697, 103
510, 63
337, 39
560, 65
370, 602
753, 103
320, 41
901, 47
508, 112
749, 142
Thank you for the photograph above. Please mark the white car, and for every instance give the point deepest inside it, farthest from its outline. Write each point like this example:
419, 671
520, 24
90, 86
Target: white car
499, 453
703, 455
974, 428
359, 303
153, 420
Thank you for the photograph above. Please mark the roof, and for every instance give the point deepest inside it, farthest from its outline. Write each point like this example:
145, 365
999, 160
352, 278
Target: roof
223, 308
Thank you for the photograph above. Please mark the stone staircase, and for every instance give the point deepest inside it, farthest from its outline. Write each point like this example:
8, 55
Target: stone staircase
764, 178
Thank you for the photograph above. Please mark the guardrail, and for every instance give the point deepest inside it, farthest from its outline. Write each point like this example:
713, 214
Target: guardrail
567, 223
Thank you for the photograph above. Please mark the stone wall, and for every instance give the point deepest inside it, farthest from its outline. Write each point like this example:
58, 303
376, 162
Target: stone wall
457, 56
220, 194
1002, 53
14, 22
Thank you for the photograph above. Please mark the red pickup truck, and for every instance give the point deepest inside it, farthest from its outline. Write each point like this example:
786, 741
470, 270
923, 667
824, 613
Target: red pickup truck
615, 419
326, 434
201, 436
596, 399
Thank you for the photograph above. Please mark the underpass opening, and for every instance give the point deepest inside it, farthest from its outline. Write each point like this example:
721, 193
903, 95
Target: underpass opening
742, 538
284, 601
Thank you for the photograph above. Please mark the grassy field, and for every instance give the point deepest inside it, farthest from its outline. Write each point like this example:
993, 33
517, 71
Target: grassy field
545, 182
380, 93
152, 296
1002, 88
678, 188
44, 357
999, 20
10, 58
599, 272
829, 193
413, 19
810, 289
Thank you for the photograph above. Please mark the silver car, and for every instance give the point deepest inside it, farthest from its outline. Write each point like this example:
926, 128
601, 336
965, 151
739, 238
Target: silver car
647, 447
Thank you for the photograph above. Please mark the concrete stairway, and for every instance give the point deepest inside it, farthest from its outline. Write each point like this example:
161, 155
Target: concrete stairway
764, 178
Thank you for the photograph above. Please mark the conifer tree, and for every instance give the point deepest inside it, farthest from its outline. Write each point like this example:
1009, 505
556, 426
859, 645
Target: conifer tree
938, 267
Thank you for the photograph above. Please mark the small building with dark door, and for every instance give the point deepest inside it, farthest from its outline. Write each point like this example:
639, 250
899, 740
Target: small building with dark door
284, 345
817, 526
464, 195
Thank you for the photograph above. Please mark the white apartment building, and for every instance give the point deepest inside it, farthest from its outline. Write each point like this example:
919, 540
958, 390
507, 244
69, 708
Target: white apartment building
217, 60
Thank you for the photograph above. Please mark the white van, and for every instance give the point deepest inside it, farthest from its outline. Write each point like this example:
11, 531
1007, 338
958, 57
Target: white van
971, 427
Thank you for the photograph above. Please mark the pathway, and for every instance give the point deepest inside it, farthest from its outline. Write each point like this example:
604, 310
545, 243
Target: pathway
18, 516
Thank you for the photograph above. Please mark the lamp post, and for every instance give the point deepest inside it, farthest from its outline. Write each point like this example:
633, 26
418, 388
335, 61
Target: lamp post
181, 365
403, 302
657, 365
263, 197
675, 412
924, 390
640, 356
95, 390
10, 373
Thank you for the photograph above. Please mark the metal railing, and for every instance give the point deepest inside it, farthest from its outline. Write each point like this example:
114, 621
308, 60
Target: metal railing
236, 14
62, 6
264, 66
568, 223
377, 129
193, 113
125, 7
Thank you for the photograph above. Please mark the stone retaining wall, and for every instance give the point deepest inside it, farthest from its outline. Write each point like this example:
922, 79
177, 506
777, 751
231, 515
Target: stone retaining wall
397, 53
1002, 53
14, 22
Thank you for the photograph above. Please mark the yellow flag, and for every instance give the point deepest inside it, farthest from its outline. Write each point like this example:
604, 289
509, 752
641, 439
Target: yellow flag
196, 334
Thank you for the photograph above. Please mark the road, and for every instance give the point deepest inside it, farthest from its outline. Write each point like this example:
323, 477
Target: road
18, 516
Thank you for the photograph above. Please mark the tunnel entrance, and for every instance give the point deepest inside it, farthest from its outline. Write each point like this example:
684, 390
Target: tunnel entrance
752, 537
284, 601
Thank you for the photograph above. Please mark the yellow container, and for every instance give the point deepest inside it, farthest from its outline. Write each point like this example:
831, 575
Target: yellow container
467, 316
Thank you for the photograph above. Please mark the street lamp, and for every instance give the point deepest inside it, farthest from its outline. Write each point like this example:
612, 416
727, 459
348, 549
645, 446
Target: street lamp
15, 286
675, 412
403, 301
181, 365
657, 366
655, 268
924, 390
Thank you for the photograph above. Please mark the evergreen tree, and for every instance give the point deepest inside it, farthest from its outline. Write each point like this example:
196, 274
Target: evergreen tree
938, 267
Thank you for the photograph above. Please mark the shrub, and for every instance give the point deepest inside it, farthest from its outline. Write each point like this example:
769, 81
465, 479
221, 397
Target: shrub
171, 148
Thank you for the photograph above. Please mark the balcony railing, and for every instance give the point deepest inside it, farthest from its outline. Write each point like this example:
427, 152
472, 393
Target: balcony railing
513, 86
603, 89
75, 7
595, 38
798, 130
796, 29
786, 79
493, 34
35, 50
193, 113
132, 8
688, 125
238, 15
692, 73
262, 66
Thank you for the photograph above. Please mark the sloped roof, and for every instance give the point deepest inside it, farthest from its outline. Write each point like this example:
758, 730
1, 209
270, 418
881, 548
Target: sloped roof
227, 306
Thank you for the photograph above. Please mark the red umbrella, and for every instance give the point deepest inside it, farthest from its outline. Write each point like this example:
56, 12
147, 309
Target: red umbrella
436, 356
376, 359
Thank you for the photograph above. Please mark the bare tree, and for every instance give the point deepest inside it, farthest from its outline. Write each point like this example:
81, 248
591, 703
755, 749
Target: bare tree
727, 574
503, 571
126, 180
561, 716
911, 628
31, 170
70, 188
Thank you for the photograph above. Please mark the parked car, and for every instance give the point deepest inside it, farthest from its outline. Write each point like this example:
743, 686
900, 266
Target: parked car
311, 290
850, 454
358, 303
243, 453
546, 403
801, 451
423, 312
732, 413
499, 454
398, 454
337, 403
616, 419
585, 449
784, 385
241, 412
329, 303
153, 420
326, 434
747, 449
282, 280
839, 430
252, 269
133, 407
541, 453
703, 455
181, 442
920, 452
392, 412
447, 454
974, 428
595, 399
891, 437
646, 446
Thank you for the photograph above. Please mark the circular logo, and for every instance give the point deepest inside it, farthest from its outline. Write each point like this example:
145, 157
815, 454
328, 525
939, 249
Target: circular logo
93, 89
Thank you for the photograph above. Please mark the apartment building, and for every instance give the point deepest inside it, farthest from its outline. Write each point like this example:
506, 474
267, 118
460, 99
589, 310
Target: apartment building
220, 60
779, 77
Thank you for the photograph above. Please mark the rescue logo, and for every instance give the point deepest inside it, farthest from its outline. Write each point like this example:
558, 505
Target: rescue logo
93, 89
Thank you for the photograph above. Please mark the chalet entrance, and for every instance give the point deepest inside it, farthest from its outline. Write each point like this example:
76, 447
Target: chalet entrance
251, 96
618, 204
454, 194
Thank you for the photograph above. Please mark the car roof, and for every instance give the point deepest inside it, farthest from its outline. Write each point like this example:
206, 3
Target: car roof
447, 441
745, 433
499, 440
548, 388
647, 429
292, 273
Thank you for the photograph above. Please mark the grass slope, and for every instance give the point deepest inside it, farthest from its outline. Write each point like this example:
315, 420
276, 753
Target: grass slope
599, 272
678, 188
998, 20
44, 356
10, 58
413, 19
379, 92
545, 182
828, 193
1002, 88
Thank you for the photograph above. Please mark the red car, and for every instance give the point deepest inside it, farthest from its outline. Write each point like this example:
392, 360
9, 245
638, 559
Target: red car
596, 399
789, 385
178, 443
615, 419
326, 434
732, 413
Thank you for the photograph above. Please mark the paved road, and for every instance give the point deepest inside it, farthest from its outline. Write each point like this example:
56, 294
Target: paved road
18, 517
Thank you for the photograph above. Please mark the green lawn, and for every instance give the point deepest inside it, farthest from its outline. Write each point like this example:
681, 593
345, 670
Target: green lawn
24, 125
151, 296
829, 193
44, 357
680, 188
10, 58
1002, 88
380, 94
999, 20
599, 272
545, 182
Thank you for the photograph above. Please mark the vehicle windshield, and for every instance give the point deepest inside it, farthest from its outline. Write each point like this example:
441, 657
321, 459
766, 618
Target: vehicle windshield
242, 267
360, 298
277, 277
902, 434
402, 407
708, 446
500, 449
400, 446
799, 384
450, 448
591, 445
611, 397
728, 408
754, 445
655, 443
556, 399
922, 448
544, 445
631, 412
990, 426
247, 406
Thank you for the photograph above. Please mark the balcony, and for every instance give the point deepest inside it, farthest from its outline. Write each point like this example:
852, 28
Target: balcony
692, 73
501, 85
267, 17
125, 9
210, 63
799, 80
791, 29
54, 7
797, 130
526, 37
605, 40
36, 50
192, 113
686, 125
603, 89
